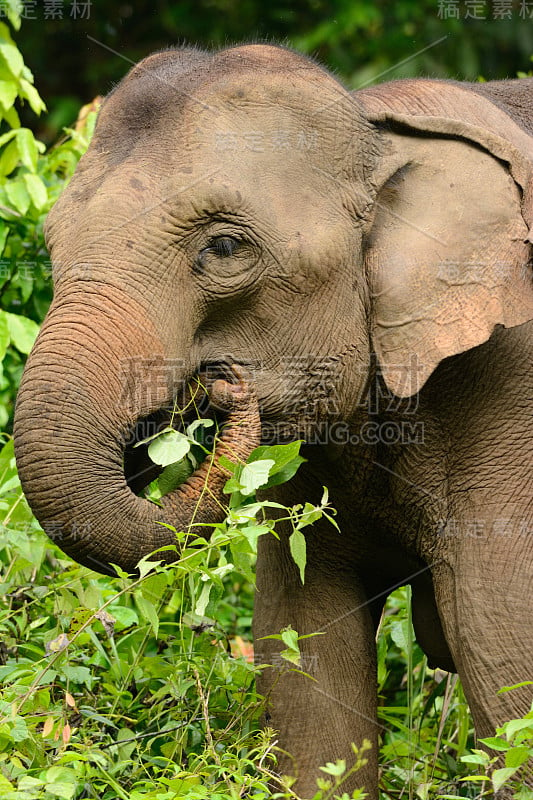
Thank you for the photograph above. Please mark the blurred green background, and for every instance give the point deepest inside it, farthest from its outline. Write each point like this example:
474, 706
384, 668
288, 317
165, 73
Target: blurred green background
78, 50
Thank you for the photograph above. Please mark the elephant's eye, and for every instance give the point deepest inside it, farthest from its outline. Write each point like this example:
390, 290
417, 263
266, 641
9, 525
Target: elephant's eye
219, 247
224, 246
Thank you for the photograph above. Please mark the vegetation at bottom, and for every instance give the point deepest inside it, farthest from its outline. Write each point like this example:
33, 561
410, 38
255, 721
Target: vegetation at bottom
120, 688
113, 688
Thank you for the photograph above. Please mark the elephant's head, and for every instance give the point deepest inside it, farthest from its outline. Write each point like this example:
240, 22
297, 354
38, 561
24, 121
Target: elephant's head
242, 208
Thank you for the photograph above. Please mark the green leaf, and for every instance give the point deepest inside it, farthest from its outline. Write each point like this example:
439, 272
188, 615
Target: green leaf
252, 533
281, 454
309, 515
173, 476
148, 611
476, 758
337, 769
61, 789
293, 656
289, 637
500, 776
286, 460
9, 160
60, 773
29, 783
13, 9
145, 566
286, 473
517, 756
23, 331
18, 195
8, 94
496, 743
400, 634
11, 117
228, 465
203, 599
123, 615
5, 337
11, 58
243, 556
298, 547
168, 448
515, 725
27, 148
198, 423
254, 475
79, 618
33, 97
36, 190
154, 587
4, 232
78, 674
168, 429
6, 137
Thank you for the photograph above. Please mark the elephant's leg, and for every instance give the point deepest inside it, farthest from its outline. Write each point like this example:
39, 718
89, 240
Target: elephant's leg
484, 591
428, 626
317, 719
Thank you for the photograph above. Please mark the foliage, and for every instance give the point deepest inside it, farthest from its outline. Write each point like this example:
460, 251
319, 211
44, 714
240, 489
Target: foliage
143, 689
114, 688
514, 740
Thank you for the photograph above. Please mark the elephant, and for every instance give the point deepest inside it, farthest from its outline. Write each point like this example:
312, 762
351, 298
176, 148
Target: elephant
352, 269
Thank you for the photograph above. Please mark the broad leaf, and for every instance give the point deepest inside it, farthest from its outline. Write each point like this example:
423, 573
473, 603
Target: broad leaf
255, 475
501, 776
298, 548
11, 58
27, 148
174, 475
36, 190
168, 448
517, 756
309, 515
286, 460
33, 97
8, 94
23, 331
17, 193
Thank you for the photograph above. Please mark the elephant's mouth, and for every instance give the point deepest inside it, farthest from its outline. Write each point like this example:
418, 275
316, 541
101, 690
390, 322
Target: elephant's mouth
139, 469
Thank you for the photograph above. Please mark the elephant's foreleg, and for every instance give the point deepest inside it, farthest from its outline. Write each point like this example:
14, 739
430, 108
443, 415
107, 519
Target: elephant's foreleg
317, 717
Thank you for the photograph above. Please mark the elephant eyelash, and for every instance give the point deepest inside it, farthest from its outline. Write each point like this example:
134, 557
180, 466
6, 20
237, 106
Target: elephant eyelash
224, 246
219, 247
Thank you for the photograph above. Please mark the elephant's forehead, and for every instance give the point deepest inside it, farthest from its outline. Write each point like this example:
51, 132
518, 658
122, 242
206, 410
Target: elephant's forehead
245, 111
247, 163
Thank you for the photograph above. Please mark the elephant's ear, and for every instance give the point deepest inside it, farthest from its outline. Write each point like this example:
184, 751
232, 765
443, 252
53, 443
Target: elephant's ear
449, 250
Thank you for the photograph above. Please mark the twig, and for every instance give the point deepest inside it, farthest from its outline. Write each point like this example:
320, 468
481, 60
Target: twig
208, 733
149, 734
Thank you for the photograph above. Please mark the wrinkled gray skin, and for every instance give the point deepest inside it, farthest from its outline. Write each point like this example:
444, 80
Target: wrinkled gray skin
362, 260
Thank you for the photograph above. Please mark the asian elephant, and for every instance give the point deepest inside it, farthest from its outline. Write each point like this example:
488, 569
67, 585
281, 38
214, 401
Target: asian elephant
353, 269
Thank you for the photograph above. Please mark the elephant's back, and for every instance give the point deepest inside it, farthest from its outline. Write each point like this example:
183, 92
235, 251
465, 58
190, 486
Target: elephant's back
515, 97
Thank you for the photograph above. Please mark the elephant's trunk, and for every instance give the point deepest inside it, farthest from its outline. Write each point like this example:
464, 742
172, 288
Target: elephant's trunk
78, 402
